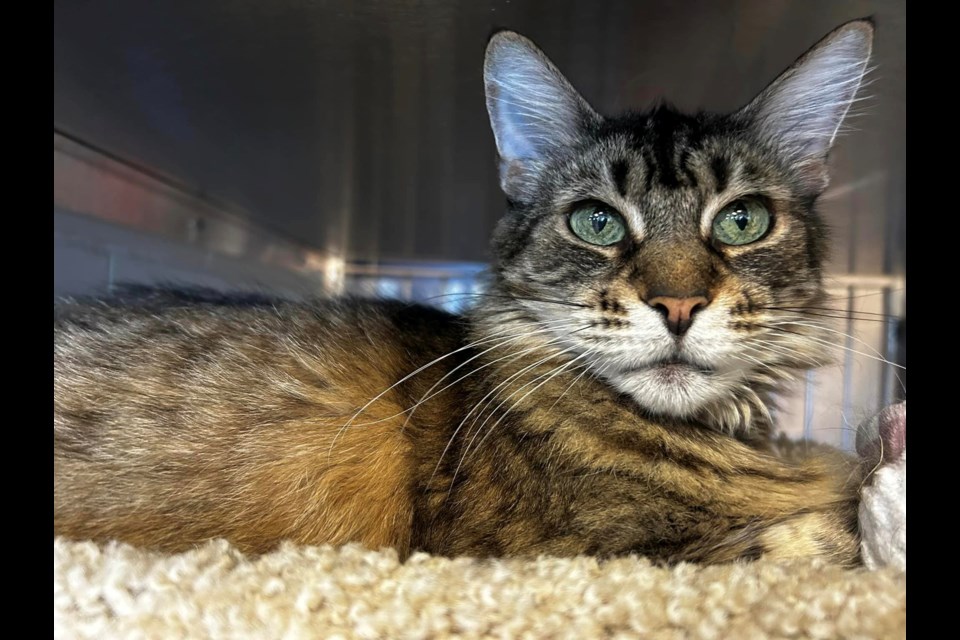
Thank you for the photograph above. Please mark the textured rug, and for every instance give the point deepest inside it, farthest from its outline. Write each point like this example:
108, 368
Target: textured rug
117, 591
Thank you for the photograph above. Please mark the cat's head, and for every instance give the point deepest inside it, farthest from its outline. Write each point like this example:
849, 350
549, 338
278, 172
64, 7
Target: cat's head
674, 253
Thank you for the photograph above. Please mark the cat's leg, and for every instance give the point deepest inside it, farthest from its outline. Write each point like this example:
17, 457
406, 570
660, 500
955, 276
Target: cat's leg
882, 505
882, 443
881, 492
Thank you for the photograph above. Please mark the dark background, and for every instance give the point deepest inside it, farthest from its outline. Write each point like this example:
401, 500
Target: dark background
359, 127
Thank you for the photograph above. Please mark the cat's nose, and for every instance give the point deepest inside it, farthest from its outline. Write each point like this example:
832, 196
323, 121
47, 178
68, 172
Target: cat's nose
678, 312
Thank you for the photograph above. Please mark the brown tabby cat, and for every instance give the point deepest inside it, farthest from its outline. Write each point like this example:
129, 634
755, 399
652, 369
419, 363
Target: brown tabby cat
608, 394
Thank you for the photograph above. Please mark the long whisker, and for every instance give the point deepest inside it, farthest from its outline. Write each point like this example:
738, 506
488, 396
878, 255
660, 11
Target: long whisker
827, 343
765, 347
566, 303
413, 373
524, 386
822, 327
830, 309
878, 357
467, 449
786, 350
838, 315
456, 431
428, 395
746, 357
587, 369
553, 327
490, 393
557, 371
842, 299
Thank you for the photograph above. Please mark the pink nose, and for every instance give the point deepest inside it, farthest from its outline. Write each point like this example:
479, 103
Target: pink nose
678, 312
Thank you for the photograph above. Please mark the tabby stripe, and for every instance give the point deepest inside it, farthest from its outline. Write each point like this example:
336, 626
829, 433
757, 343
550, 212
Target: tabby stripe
650, 167
619, 170
663, 151
687, 171
720, 172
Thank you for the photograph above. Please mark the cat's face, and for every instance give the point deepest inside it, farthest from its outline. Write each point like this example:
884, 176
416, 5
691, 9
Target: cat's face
671, 253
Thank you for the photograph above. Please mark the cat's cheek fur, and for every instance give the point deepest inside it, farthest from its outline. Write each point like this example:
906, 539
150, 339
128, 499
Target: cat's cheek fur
711, 340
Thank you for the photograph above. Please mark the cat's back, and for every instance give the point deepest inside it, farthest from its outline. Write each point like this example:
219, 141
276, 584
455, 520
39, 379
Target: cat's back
185, 333
181, 415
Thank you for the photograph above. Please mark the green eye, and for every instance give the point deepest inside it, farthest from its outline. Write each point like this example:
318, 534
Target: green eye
741, 222
598, 224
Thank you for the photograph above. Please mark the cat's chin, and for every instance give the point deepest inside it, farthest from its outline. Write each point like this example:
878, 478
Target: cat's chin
671, 389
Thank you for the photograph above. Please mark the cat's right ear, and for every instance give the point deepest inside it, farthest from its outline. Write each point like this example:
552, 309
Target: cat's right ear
801, 111
535, 113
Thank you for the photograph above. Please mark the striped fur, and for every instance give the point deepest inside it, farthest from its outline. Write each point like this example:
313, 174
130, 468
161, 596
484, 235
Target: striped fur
541, 422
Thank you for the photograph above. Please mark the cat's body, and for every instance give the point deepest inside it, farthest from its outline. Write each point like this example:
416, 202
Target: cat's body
608, 395
181, 447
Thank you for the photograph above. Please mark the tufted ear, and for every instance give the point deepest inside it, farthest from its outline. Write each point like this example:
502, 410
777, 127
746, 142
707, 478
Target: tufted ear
801, 111
535, 113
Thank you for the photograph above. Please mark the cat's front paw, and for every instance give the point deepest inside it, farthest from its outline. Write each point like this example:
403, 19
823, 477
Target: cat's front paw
882, 443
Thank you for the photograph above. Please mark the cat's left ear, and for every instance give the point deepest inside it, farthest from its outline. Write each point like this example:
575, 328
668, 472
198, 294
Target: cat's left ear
801, 111
535, 113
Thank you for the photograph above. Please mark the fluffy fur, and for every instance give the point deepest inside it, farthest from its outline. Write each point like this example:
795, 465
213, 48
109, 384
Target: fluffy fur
668, 175
563, 415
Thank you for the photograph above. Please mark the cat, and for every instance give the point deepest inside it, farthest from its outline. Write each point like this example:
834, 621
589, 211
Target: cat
608, 394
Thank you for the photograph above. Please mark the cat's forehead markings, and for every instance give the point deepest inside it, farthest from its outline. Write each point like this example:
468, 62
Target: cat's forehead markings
671, 211
617, 192
619, 171
721, 172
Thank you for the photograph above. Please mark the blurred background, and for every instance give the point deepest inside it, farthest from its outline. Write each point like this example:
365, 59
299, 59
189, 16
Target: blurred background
332, 146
